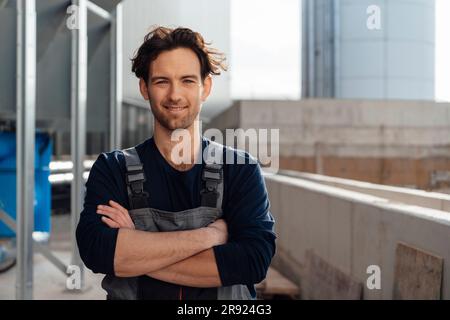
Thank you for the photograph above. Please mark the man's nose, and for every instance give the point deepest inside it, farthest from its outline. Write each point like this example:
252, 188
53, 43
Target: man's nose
175, 93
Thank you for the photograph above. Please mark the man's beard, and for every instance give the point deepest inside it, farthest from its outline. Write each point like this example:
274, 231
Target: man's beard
170, 122
174, 122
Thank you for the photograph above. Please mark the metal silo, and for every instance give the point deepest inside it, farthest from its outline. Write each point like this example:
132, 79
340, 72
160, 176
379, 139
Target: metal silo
374, 49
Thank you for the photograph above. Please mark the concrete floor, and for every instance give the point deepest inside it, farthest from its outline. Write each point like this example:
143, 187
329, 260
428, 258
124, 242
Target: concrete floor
50, 282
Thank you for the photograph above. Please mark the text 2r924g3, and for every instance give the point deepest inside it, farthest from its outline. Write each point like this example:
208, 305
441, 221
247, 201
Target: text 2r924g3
246, 309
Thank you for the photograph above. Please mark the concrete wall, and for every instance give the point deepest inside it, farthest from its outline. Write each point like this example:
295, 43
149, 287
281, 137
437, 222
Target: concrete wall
387, 142
351, 231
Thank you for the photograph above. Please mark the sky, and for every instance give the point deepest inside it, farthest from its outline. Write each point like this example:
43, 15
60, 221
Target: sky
265, 65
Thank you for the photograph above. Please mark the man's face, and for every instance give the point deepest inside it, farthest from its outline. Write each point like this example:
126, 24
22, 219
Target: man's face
175, 88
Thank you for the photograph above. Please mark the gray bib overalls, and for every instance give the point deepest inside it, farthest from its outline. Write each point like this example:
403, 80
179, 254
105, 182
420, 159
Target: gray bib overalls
154, 220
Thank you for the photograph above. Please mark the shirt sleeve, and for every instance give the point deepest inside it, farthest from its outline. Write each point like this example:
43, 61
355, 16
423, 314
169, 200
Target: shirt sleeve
96, 241
246, 257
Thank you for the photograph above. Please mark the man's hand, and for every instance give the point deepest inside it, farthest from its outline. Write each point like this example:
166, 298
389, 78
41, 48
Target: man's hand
116, 215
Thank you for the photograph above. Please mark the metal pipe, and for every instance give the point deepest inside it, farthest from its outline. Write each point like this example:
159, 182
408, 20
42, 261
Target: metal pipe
99, 11
328, 52
116, 79
7, 220
25, 142
304, 48
78, 123
11, 224
51, 257
308, 48
311, 31
337, 49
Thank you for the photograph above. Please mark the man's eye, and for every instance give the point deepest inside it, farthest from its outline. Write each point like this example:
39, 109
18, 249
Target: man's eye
189, 81
161, 82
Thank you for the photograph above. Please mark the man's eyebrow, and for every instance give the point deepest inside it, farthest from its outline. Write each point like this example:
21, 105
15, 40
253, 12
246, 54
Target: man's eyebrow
158, 78
190, 76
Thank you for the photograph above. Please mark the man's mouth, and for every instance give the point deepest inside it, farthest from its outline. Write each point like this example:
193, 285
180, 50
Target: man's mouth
174, 108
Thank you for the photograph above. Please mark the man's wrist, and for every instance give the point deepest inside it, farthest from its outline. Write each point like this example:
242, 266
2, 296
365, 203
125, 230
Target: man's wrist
211, 237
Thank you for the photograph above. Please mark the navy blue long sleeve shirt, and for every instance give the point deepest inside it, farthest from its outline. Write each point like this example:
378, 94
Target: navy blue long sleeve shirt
244, 259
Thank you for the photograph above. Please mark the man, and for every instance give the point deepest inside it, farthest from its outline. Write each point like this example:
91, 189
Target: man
161, 228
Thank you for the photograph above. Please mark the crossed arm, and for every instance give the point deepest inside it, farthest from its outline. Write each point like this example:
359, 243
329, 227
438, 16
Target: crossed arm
180, 257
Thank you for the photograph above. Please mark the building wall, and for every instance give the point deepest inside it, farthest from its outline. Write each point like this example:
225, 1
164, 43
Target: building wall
389, 142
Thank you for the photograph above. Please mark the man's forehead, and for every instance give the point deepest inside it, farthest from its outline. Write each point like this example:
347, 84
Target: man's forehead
180, 61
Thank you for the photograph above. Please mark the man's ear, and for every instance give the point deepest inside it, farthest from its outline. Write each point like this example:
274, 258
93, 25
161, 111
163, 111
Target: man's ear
143, 89
207, 85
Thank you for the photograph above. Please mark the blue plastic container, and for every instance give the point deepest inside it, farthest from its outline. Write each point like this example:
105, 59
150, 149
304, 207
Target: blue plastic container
42, 191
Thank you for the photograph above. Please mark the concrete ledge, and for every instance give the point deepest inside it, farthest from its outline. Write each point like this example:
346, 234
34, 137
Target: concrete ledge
432, 200
352, 230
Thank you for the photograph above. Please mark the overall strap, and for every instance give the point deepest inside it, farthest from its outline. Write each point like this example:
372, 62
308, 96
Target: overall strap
212, 175
135, 178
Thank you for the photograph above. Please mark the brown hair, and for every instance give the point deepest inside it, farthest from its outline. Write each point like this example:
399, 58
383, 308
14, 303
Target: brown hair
165, 39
